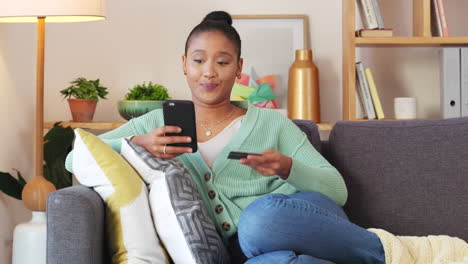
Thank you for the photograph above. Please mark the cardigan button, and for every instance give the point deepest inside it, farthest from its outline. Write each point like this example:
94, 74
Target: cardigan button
219, 209
211, 194
207, 176
226, 226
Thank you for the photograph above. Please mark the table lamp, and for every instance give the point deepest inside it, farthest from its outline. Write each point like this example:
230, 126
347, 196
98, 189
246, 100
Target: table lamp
35, 191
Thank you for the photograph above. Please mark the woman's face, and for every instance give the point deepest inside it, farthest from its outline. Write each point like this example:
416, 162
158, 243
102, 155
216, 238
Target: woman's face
211, 66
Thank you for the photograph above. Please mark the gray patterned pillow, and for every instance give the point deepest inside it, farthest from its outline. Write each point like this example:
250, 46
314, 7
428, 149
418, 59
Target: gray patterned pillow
179, 215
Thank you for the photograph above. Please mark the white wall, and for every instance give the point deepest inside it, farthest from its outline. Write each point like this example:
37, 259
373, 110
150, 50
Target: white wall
16, 116
144, 40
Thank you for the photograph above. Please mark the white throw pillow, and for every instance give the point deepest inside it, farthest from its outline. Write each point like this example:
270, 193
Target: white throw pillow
130, 232
179, 214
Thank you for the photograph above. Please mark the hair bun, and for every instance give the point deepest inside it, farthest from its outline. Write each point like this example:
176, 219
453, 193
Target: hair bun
219, 16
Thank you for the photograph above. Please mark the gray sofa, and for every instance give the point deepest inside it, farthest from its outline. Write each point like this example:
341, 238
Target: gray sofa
408, 177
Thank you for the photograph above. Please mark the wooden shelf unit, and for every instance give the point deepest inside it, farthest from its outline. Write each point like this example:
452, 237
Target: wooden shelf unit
113, 125
421, 37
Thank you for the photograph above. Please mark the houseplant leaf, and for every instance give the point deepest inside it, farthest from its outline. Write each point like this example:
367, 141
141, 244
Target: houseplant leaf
11, 186
21, 180
58, 143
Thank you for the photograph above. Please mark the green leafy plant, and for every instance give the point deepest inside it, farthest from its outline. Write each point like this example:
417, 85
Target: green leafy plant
10, 185
82, 88
57, 144
148, 91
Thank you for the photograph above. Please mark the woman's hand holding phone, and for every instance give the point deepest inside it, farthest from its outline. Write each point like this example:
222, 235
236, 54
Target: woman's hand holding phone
156, 142
270, 163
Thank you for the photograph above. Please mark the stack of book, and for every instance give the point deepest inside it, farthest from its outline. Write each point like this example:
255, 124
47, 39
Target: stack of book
372, 20
439, 25
367, 93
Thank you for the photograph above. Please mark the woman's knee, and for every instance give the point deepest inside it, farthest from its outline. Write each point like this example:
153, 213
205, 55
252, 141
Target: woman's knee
262, 219
255, 220
262, 210
321, 201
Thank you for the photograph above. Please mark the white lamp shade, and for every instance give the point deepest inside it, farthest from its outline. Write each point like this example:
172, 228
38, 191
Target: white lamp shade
19, 11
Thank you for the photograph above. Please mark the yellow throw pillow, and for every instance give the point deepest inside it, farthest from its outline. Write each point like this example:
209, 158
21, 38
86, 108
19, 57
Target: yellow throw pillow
130, 232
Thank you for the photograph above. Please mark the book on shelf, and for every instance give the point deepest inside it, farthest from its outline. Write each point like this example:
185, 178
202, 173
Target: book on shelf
368, 15
374, 33
436, 26
378, 14
439, 25
443, 18
464, 82
360, 104
364, 91
374, 94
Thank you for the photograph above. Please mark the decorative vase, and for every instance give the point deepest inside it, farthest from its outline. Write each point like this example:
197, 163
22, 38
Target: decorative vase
29, 240
82, 110
303, 88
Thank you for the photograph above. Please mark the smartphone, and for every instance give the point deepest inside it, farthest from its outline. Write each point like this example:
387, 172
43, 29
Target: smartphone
181, 113
240, 155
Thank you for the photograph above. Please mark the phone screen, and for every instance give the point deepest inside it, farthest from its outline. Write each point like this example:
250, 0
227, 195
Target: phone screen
181, 113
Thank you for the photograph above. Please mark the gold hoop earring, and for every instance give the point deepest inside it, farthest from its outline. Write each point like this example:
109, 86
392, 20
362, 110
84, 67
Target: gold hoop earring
239, 76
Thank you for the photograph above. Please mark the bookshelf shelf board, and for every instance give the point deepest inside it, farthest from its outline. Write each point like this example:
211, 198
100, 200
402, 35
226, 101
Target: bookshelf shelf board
113, 125
417, 41
87, 125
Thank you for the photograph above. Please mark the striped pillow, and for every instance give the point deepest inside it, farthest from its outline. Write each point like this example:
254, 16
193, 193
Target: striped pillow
178, 211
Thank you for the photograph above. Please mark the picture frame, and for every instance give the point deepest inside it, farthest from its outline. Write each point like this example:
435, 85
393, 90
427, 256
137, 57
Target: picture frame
269, 43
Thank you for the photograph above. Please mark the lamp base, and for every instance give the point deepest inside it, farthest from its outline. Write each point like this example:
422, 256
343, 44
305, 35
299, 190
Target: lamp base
29, 240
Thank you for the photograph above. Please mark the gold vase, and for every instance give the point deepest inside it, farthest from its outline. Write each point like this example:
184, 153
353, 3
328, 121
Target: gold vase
303, 88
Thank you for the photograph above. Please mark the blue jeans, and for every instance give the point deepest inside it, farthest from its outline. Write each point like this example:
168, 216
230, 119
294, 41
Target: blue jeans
305, 227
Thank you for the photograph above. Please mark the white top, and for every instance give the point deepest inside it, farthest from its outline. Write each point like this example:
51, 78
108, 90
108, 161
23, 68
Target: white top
210, 149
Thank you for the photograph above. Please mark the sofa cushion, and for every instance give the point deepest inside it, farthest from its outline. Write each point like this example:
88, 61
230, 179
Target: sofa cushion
130, 231
178, 211
407, 177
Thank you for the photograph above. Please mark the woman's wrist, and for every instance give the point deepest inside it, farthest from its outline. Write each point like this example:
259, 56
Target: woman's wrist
135, 139
284, 174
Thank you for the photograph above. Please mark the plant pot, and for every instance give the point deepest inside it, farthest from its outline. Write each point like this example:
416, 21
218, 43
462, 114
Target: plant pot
129, 109
82, 110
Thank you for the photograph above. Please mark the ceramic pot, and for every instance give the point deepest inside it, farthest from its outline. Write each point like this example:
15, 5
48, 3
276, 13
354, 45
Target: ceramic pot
129, 109
82, 110
303, 88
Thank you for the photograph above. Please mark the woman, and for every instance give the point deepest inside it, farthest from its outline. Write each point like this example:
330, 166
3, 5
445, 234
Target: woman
280, 207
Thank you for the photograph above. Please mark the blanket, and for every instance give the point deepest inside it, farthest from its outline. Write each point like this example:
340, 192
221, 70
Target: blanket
422, 250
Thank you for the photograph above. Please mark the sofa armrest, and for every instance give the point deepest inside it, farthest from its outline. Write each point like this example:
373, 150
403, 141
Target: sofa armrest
75, 222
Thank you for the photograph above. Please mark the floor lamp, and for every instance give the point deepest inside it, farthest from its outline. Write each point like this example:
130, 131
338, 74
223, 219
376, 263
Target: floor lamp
32, 240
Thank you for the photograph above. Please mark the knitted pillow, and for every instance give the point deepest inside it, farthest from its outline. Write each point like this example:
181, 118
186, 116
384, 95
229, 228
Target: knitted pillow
131, 236
179, 214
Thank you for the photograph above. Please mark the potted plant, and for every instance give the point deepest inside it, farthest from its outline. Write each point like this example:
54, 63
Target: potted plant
57, 143
83, 96
141, 99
